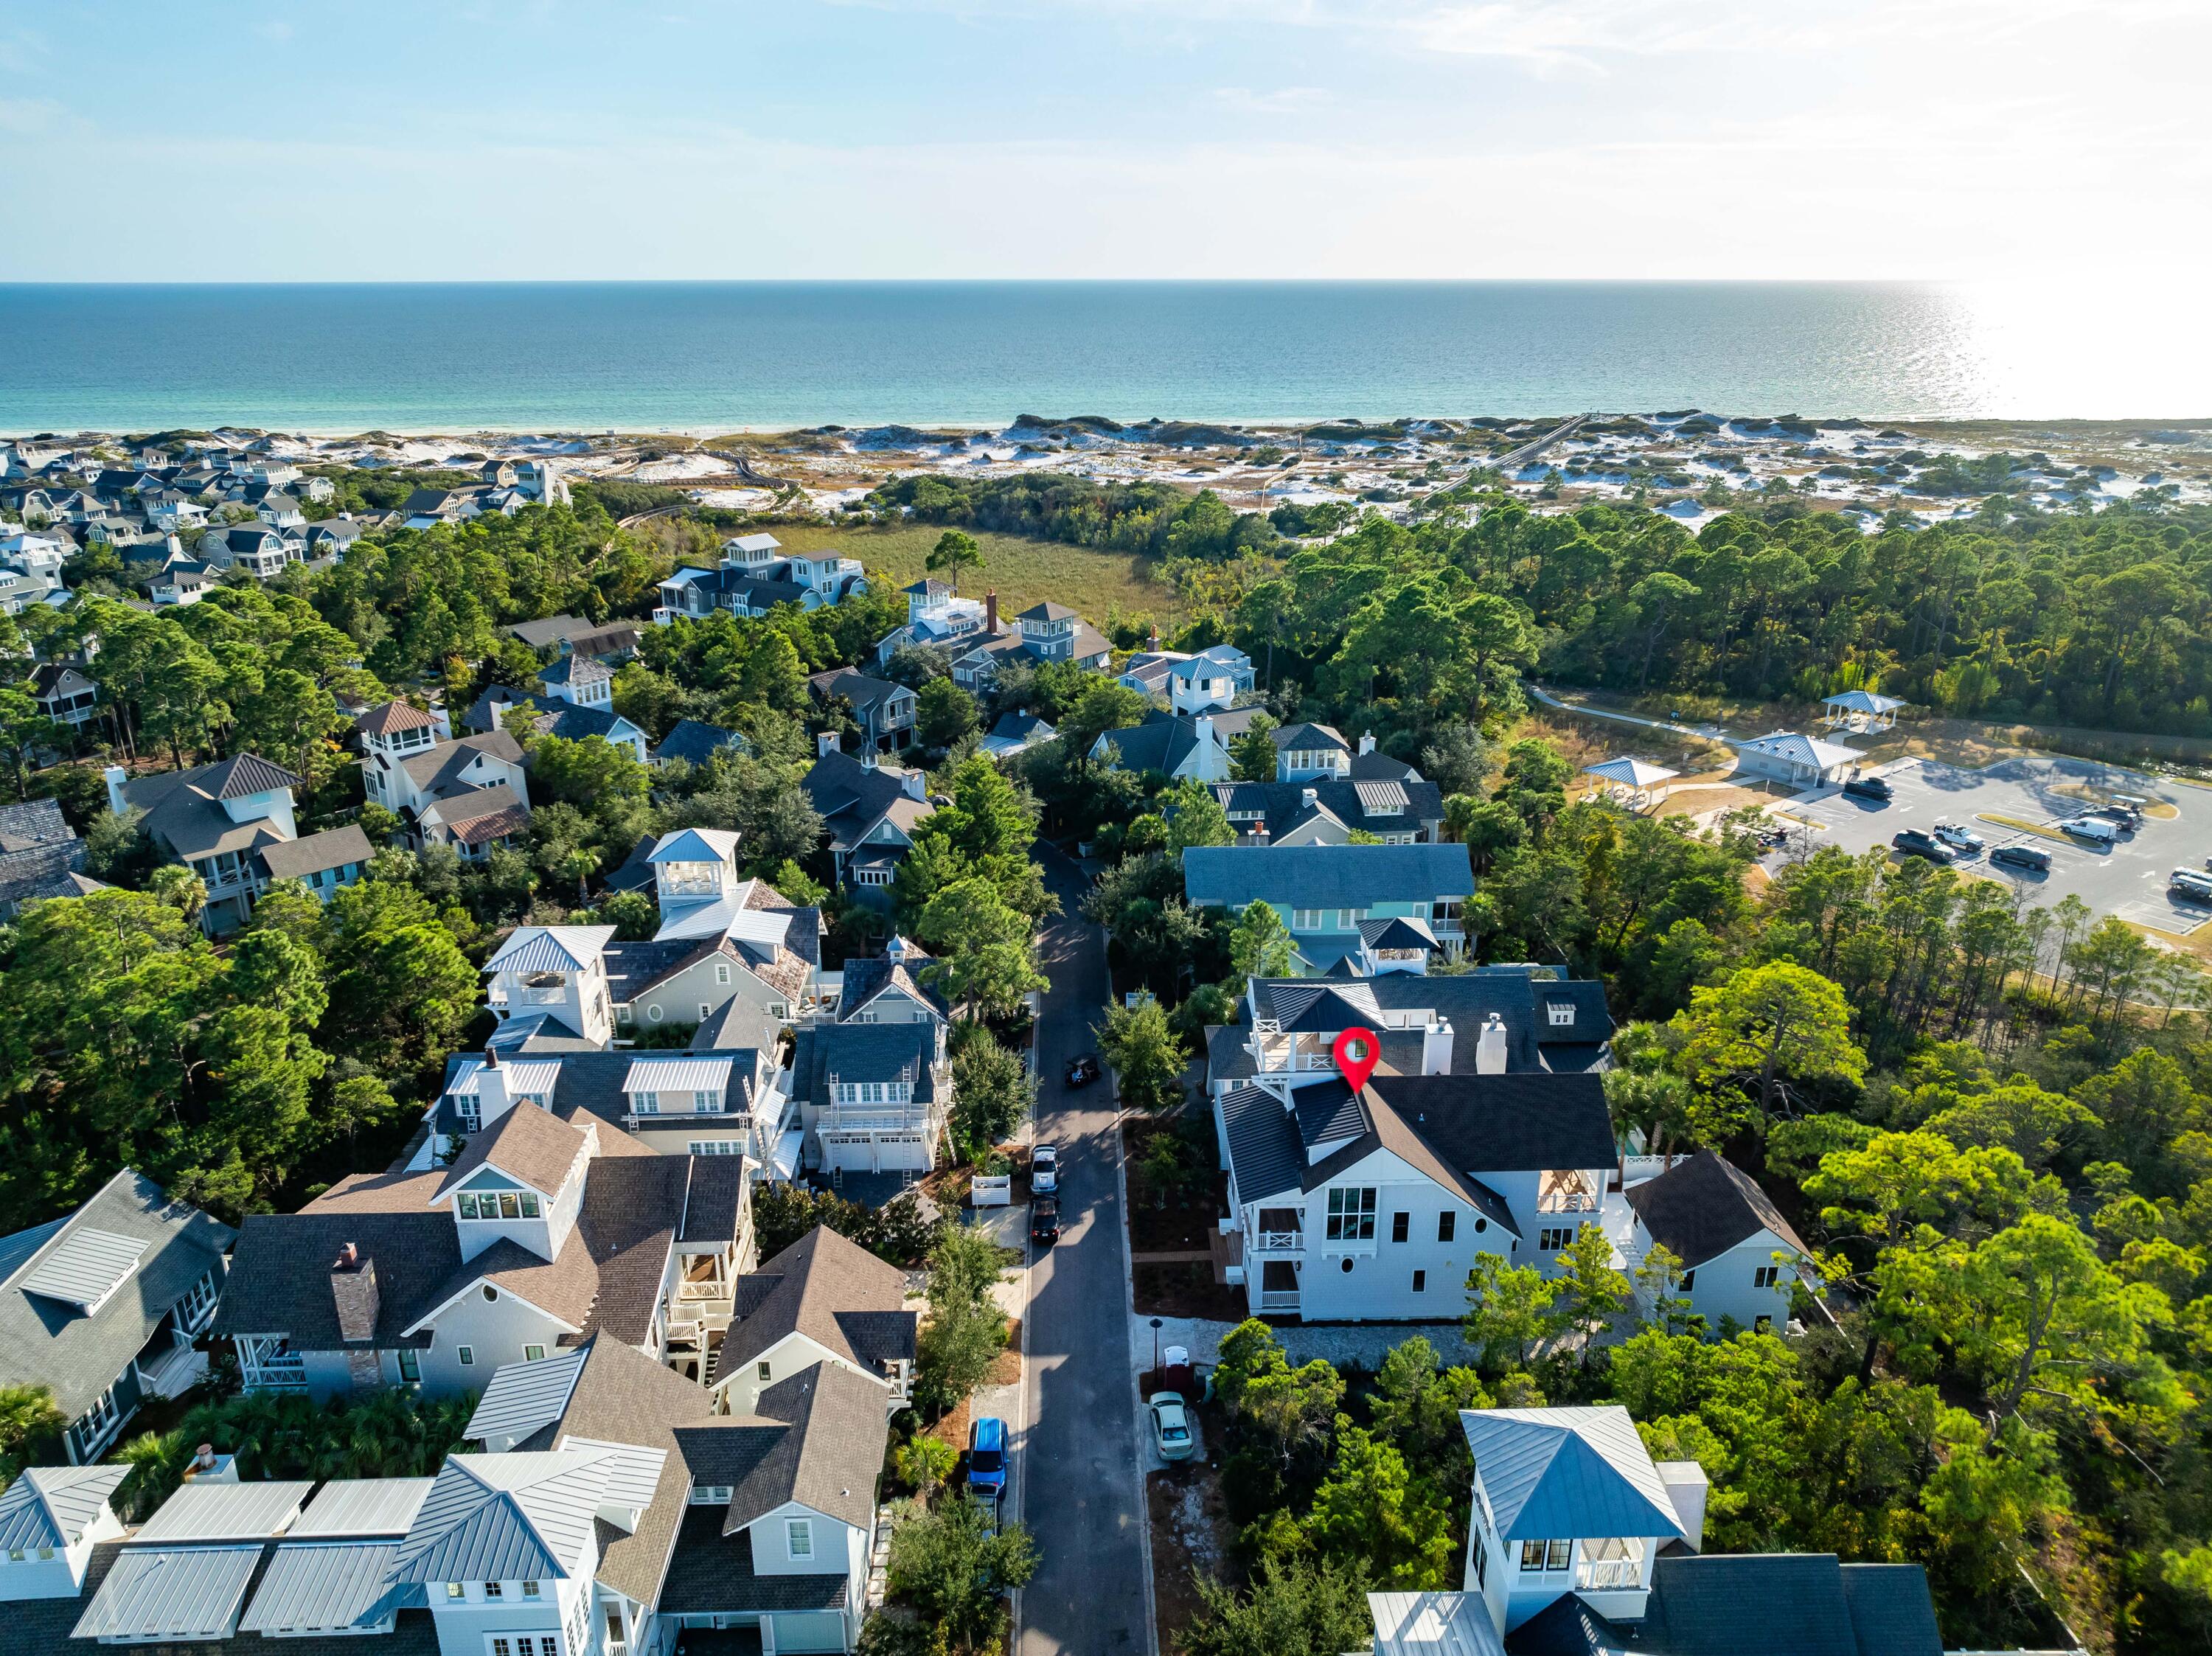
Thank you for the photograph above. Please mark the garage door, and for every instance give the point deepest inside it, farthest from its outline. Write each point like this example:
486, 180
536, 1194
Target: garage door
816, 1631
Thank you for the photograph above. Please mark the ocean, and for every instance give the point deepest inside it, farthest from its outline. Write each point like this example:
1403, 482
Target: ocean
693, 356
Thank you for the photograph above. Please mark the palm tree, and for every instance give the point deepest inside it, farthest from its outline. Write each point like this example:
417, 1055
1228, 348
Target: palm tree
27, 1414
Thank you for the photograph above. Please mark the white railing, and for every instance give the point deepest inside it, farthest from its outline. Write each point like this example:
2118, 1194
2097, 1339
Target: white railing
1278, 1302
1596, 1574
528, 996
1636, 1169
1568, 1202
1278, 1241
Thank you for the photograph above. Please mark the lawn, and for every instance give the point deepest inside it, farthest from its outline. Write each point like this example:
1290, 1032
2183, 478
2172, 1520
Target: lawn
1100, 586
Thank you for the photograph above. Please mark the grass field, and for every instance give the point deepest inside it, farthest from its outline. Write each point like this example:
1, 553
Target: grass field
1098, 585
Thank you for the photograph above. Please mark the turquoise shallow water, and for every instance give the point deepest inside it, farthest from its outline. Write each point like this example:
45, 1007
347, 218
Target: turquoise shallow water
689, 356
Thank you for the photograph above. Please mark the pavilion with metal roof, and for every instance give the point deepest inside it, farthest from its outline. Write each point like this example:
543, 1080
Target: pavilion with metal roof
1631, 780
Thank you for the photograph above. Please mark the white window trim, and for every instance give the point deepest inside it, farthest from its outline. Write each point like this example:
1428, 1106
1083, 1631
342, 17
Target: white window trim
799, 1540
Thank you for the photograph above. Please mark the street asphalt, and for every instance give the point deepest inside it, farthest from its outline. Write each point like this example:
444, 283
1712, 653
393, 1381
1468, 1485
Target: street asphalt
1083, 1494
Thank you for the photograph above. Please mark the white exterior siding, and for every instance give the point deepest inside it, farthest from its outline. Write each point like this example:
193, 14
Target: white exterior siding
1727, 1285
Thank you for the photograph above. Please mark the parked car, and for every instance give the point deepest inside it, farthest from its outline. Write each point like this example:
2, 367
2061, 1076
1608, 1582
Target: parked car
1082, 1072
1044, 1220
987, 1459
2023, 857
1912, 842
1171, 1432
2191, 885
1868, 787
1959, 838
2098, 830
1044, 1168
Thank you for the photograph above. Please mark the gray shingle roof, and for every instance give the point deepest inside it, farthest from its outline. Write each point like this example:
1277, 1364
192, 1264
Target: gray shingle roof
1752, 1604
694, 742
835, 1293
711, 1573
530, 1144
42, 1340
827, 1455
295, 860
1704, 1206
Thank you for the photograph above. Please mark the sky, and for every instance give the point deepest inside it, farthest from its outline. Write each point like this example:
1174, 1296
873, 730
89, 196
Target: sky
1964, 140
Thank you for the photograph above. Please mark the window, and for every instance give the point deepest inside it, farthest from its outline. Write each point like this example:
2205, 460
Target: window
1765, 1276
495, 1590
192, 1310
530, 1590
706, 1103
711, 1494
1762, 1325
1562, 1012
721, 972
467, 1354
872, 876
529, 1205
622, 1013
1546, 1554
1401, 1227
455, 1591
705, 1011
490, 1293
1447, 1224
1689, 1277
1552, 1240
410, 1367
1420, 1282
645, 1103
1351, 1215
715, 1147
765, 1372
798, 1537
533, 1354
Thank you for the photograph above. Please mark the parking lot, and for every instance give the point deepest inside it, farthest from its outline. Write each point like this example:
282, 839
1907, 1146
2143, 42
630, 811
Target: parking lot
2127, 879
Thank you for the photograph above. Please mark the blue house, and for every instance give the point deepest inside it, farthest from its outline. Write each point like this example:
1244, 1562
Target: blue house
1325, 893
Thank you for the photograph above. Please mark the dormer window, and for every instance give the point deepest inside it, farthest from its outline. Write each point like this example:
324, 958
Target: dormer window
503, 1204
1562, 1013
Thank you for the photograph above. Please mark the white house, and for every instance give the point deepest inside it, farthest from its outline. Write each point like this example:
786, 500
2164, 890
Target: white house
754, 575
539, 1233
557, 975
824, 1299
1210, 681
1371, 1206
1803, 762
51, 1519
581, 681
1578, 1541
874, 1095
1740, 1256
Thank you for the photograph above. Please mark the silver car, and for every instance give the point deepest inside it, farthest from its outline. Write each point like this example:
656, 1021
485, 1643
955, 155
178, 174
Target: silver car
1171, 1428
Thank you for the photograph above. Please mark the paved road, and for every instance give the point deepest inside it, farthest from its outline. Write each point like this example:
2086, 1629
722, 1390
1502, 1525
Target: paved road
1082, 1496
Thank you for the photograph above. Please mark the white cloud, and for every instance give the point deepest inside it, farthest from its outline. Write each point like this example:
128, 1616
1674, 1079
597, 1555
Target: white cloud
1283, 100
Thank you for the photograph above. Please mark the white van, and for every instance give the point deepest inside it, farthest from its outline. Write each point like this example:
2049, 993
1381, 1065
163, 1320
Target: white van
2096, 829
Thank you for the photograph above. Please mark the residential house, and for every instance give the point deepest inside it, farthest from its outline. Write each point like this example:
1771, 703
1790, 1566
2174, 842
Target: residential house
540, 1234
41, 856
30, 553
51, 1519
882, 710
223, 820
19, 591
1371, 1206
1580, 1544
694, 742
1324, 892
555, 715
869, 811
888, 988
261, 549
1803, 762
1327, 810
754, 575
612, 641
825, 1299
180, 582
873, 1100
1740, 1258
581, 681
1179, 748
1045, 632
720, 935
427, 508
332, 537
471, 792
1017, 733
554, 977
938, 618
64, 694
1493, 1020
101, 1306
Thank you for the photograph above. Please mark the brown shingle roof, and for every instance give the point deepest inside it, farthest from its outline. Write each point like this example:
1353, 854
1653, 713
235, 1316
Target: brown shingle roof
836, 1293
389, 716
528, 1144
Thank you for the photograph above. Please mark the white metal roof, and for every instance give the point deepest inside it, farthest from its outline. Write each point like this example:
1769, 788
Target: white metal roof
85, 1267
323, 1586
505, 1517
695, 846
170, 1593
1382, 798
632, 1471
550, 949
225, 1511
1637, 772
524, 1396
1863, 702
53, 1505
1433, 1624
685, 1073
525, 1076
1804, 750
361, 1506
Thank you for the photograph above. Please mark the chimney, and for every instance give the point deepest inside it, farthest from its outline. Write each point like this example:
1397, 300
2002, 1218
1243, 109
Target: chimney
491, 1090
914, 784
1686, 1490
825, 744
203, 1457
990, 613
1309, 797
116, 776
1202, 727
1367, 742
491, 1058
1153, 643
1490, 1048
353, 1287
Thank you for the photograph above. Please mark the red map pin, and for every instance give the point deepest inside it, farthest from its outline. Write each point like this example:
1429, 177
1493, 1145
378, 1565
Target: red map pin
1357, 1052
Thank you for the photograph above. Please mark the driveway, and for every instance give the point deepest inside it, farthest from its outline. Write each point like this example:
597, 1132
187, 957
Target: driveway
1083, 1498
2127, 879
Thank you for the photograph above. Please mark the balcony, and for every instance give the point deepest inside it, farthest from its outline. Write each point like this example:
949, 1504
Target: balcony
1278, 1242
1566, 1191
1275, 1301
